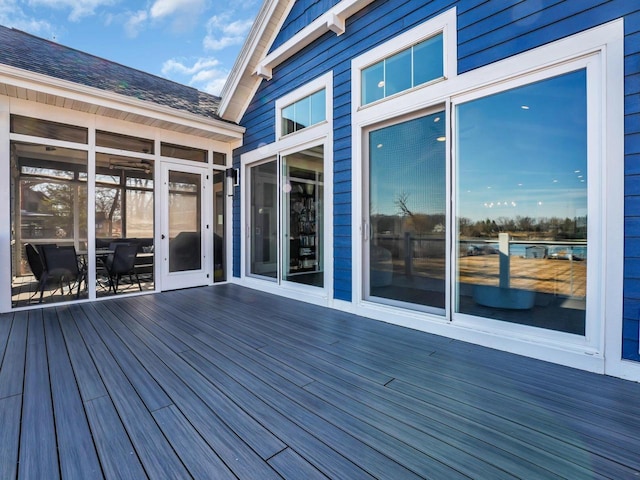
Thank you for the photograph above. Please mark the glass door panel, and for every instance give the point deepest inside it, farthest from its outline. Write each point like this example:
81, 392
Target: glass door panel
303, 217
185, 235
405, 246
264, 220
521, 182
183, 226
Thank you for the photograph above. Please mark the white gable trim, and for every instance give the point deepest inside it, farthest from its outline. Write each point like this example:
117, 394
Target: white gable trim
334, 20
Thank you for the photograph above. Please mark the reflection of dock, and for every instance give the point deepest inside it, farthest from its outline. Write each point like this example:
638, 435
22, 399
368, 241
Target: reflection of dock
559, 277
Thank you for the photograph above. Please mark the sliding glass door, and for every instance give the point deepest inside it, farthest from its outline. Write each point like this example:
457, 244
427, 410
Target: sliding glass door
405, 241
286, 218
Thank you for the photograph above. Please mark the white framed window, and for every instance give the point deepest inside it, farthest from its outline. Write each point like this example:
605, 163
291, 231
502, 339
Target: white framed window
577, 81
421, 56
304, 107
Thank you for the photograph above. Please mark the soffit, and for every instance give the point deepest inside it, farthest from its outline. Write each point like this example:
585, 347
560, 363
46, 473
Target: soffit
25, 85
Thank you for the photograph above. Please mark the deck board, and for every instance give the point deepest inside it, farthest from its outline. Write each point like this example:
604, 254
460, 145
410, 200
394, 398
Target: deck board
227, 382
77, 454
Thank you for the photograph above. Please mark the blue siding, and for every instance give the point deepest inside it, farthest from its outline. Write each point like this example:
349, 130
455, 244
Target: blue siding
488, 31
301, 15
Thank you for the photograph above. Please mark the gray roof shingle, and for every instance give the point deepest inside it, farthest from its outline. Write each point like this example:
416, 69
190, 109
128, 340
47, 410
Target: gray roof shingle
22, 50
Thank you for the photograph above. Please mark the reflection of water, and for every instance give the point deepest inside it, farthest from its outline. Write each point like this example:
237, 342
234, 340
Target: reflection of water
520, 249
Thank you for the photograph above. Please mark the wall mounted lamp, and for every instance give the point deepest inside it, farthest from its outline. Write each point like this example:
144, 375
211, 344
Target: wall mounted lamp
231, 177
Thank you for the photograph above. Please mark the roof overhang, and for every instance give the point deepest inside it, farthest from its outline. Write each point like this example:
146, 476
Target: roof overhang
255, 63
27, 85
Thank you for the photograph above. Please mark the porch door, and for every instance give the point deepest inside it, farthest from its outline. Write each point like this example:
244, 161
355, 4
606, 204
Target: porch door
183, 225
285, 230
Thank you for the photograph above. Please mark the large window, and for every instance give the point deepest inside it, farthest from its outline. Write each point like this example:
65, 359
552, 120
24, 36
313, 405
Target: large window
521, 175
304, 113
407, 214
413, 66
48, 223
124, 215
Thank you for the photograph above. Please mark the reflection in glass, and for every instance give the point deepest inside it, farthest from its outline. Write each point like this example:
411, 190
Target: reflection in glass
413, 66
48, 207
428, 60
398, 73
407, 200
306, 112
124, 215
219, 263
47, 129
303, 190
264, 220
522, 204
185, 235
183, 152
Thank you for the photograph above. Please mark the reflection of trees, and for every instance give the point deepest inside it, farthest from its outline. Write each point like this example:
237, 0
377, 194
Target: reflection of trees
138, 197
553, 228
55, 205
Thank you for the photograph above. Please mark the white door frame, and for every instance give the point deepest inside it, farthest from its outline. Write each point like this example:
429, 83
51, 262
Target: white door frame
191, 278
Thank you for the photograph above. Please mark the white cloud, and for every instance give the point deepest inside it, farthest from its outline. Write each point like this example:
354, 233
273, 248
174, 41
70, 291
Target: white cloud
79, 8
12, 16
205, 74
222, 33
164, 8
134, 23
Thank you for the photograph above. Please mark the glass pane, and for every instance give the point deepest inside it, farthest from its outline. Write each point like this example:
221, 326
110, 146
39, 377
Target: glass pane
407, 201
303, 217
46, 129
48, 208
219, 158
428, 58
124, 216
124, 142
373, 83
522, 205
288, 120
185, 236
302, 113
398, 73
318, 107
185, 153
264, 220
219, 264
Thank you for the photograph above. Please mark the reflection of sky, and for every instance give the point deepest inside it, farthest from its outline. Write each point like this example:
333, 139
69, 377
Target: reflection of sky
408, 160
524, 151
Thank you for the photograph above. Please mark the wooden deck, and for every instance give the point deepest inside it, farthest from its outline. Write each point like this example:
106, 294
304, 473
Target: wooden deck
226, 382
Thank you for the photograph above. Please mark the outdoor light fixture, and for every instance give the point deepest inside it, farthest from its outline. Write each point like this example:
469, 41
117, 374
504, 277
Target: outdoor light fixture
231, 176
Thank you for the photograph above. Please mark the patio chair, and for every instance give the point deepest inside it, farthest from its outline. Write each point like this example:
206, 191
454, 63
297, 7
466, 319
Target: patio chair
122, 262
36, 264
62, 265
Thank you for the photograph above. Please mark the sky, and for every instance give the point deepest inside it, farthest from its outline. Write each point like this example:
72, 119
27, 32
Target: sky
193, 42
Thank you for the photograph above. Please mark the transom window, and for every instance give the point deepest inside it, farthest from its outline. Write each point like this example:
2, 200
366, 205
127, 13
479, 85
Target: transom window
304, 113
411, 67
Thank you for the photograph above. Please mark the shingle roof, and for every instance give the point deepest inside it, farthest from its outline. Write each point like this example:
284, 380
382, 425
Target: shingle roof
22, 50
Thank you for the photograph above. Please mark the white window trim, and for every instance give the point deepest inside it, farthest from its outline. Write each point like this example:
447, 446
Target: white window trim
445, 23
323, 82
315, 135
601, 350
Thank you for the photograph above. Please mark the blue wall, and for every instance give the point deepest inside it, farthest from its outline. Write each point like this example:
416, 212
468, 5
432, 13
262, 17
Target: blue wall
487, 32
